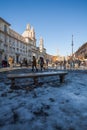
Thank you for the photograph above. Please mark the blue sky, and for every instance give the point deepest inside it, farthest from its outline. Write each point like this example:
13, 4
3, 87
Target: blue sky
54, 20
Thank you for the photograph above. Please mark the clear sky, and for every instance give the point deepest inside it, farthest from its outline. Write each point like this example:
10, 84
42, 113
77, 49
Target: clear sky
54, 20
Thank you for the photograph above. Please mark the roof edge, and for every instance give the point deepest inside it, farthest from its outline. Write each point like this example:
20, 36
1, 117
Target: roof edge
5, 21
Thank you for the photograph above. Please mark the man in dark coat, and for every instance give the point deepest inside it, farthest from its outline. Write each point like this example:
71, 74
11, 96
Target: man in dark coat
34, 64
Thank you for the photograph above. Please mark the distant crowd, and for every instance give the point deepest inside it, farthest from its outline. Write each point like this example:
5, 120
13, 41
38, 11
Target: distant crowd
35, 63
42, 64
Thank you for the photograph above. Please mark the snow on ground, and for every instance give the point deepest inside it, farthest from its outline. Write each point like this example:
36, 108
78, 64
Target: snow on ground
48, 106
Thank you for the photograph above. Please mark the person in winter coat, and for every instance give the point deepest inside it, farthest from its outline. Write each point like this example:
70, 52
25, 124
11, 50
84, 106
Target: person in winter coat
41, 62
34, 64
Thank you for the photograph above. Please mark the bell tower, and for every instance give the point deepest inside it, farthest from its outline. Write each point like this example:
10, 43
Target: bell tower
28, 27
41, 45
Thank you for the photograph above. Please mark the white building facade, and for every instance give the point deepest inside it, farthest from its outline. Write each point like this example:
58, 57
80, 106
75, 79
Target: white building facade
17, 46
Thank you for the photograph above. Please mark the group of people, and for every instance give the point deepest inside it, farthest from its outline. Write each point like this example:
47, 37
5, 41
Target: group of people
7, 63
40, 62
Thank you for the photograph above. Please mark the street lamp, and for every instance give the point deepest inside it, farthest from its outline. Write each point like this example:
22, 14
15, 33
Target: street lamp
72, 46
72, 51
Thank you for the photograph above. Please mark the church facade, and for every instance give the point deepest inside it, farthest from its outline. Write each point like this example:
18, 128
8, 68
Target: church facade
19, 47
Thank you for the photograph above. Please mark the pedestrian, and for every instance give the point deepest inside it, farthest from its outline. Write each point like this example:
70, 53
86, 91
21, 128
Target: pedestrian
41, 62
64, 64
47, 61
34, 64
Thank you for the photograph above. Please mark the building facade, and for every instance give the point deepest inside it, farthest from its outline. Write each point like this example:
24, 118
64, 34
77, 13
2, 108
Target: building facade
81, 53
19, 47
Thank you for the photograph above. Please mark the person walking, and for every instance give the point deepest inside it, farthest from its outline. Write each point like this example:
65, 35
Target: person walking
34, 64
41, 62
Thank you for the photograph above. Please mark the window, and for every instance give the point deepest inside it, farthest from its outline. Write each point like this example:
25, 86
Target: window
5, 28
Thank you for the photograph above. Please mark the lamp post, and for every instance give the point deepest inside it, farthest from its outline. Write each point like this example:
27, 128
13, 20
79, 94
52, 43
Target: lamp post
72, 46
72, 51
